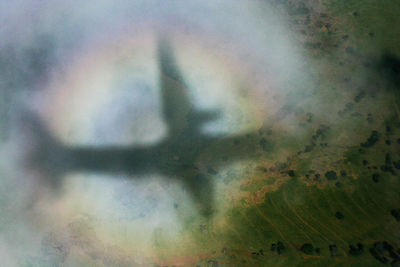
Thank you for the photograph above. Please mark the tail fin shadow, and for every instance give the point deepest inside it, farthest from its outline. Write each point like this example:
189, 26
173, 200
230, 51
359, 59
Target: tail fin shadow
175, 99
178, 110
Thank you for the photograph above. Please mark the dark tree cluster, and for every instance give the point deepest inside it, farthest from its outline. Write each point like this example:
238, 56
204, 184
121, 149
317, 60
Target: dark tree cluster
359, 96
355, 250
376, 177
339, 215
309, 148
396, 214
396, 164
320, 133
257, 254
291, 173
348, 107
372, 167
388, 165
307, 248
331, 175
278, 247
382, 251
315, 176
372, 140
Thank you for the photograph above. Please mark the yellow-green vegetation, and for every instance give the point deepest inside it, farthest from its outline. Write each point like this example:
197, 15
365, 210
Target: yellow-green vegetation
330, 197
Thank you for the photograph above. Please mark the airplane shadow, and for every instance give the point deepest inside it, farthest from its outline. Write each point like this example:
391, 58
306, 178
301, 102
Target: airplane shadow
178, 156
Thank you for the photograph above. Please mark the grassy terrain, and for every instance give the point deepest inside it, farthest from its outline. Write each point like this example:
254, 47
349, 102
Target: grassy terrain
292, 212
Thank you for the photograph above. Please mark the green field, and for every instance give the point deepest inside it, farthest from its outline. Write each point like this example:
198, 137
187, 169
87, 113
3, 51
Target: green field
305, 216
